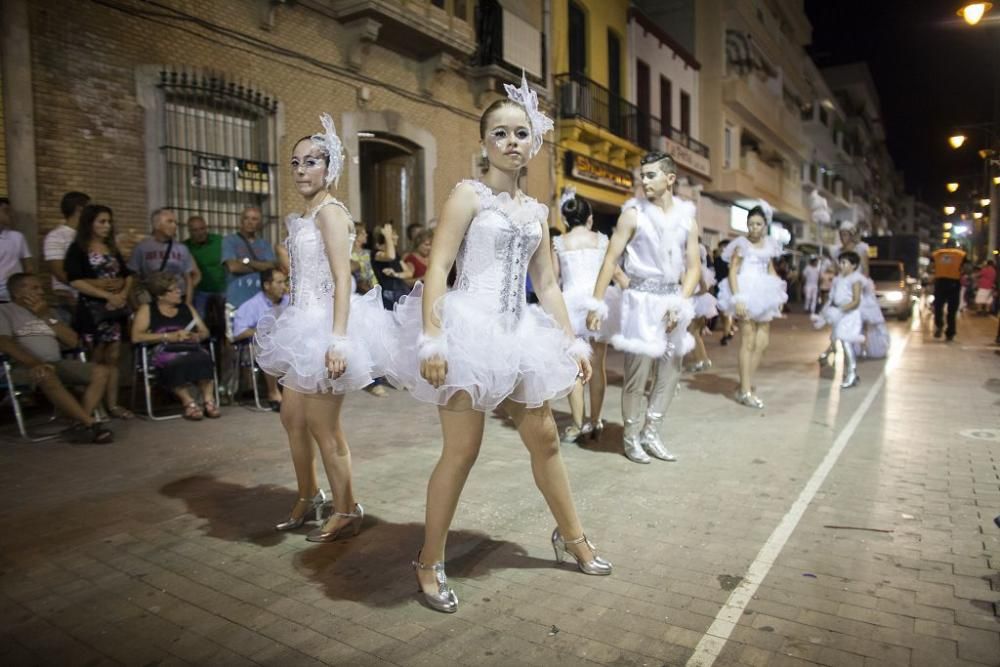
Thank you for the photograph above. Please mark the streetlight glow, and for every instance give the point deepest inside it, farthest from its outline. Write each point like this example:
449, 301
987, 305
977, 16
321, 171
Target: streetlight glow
947, 226
952, 187
984, 202
996, 180
974, 11
957, 140
978, 215
948, 210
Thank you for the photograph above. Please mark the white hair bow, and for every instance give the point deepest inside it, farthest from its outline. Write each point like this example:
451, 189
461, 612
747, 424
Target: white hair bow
330, 144
768, 211
527, 98
569, 192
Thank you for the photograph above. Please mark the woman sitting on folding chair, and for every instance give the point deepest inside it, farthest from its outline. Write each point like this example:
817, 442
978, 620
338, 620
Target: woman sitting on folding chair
179, 358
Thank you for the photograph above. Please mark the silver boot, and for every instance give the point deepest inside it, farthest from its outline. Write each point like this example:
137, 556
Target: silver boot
650, 438
633, 444
850, 367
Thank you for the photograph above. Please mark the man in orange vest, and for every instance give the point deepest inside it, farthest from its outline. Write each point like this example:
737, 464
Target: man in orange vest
948, 262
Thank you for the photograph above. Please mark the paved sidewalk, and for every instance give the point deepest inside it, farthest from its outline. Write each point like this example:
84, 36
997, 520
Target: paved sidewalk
159, 550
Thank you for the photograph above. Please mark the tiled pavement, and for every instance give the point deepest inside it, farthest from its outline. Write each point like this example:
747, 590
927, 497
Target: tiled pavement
159, 550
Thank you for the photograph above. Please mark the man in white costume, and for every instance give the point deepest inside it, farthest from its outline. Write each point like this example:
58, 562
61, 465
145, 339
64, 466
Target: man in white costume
658, 237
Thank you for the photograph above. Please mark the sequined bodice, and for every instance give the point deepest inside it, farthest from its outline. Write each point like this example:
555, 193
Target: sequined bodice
578, 268
755, 259
311, 283
501, 239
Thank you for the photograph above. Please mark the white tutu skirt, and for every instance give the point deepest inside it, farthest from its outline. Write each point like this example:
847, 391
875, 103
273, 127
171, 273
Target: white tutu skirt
876, 344
577, 305
643, 329
765, 295
491, 356
705, 305
292, 345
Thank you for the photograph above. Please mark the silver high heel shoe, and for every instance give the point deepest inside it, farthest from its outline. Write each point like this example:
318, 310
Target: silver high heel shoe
318, 504
593, 428
356, 517
598, 566
749, 399
571, 434
445, 599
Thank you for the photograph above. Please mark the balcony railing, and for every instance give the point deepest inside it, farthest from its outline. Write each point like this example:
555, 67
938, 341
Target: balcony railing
579, 97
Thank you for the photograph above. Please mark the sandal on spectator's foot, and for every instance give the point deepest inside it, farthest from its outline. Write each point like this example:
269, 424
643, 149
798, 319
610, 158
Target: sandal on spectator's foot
212, 410
95, 434
193, 412
119, 412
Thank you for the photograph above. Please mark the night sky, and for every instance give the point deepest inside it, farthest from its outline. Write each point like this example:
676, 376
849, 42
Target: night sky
933, 73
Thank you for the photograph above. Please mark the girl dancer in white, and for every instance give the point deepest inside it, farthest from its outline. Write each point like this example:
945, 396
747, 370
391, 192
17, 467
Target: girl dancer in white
658, 237
754, 294
579, 254
705, 308
314, 349
876, 344
843, 313
480, 345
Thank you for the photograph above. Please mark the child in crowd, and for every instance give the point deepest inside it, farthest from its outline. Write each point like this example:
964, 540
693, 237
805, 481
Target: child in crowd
843, 315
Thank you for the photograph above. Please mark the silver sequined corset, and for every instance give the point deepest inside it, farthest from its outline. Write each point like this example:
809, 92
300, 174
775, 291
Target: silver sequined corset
755, 263
311, 283
493, 258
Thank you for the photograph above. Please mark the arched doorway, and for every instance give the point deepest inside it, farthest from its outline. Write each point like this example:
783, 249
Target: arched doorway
392, 181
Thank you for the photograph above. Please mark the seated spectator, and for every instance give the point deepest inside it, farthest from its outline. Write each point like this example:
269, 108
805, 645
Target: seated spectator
413, 231
419, 256
391, 271
31, 334
179, 358
15, 256
273, 294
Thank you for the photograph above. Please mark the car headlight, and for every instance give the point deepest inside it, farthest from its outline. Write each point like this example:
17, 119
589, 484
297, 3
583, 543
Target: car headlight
893, 297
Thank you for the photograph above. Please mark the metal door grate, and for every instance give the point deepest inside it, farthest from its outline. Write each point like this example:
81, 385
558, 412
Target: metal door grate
220, 143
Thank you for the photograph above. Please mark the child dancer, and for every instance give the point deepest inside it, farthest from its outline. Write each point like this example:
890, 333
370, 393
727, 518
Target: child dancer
754, 294
705, 308
314, 350
578, 257
843, 313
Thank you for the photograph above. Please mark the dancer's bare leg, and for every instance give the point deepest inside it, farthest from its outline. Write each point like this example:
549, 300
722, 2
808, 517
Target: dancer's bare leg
322, 412
576, 404
300, 443
598, 381
699, 352
762, 336
538, 433
462, 429
747, 338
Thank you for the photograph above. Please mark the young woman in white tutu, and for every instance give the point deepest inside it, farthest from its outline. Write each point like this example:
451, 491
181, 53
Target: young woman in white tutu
843, 313
705, 308
480, 345
876, 343
325, 343
754, 294
578, 257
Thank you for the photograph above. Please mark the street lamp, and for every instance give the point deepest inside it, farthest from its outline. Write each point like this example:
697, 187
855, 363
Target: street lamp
996, 180
978, 215
951, 187
974, 11
948, 210
956, 140
984, 202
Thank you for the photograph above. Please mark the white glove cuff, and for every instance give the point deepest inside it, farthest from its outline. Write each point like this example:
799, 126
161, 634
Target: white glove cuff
579, 349
595, 306
431, 346
681, 307
341, 345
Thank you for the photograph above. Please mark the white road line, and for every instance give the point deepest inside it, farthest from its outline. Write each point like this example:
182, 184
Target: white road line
711, 645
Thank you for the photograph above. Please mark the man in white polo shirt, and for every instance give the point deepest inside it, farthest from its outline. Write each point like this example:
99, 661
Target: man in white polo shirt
57, 242
14, 254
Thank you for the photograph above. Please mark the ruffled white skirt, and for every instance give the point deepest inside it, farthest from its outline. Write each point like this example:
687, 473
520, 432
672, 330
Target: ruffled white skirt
705, 305
491, 355
764, 294
643, 329
580, 302
292, 345
845, 327
876, 344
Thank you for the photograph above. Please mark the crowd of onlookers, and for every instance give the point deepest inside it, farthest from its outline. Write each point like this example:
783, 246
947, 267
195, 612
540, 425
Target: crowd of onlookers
168, 295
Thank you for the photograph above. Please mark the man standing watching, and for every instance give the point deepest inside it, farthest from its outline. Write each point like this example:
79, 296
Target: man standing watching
245, 255
273, 295
31, 335
810, 282
210, 293
161, 253
54, 248
947, 286
14, 254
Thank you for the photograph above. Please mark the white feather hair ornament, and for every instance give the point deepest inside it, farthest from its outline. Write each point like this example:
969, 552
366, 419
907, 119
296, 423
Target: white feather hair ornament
330, 143
527, 98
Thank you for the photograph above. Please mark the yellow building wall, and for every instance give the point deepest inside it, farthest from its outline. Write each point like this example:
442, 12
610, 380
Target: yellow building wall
602, 15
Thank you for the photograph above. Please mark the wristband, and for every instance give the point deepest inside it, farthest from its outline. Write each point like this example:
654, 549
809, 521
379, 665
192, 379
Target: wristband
341, 345
594, 306
579, 349
429, 347
681, 307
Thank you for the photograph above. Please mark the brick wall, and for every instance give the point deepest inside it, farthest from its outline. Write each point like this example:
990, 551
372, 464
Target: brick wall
3, 145
89, 133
